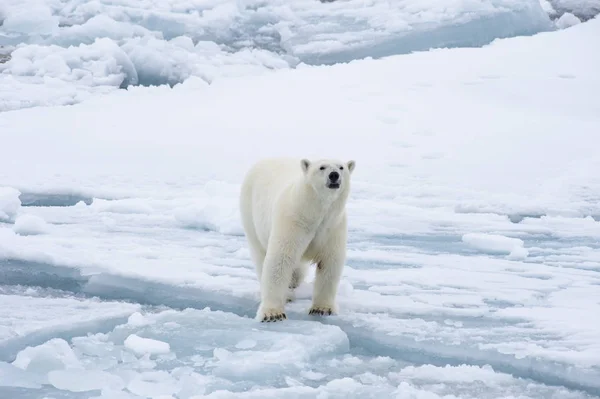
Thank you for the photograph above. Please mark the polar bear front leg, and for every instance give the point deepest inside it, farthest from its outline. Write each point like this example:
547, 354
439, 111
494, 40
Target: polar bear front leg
274, 285
327, 279
329, 271
298, 277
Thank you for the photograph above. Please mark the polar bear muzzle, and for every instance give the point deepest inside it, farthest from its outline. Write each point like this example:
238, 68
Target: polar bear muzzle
333, 180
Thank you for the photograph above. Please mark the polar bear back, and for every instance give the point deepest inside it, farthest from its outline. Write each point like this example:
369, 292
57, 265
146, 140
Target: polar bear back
263, 185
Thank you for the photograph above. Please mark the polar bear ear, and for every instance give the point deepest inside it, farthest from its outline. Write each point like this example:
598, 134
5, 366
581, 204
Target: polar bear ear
351, 165
305, 163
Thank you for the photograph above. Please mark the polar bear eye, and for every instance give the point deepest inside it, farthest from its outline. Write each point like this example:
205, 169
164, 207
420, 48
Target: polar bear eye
322, 168
341, 168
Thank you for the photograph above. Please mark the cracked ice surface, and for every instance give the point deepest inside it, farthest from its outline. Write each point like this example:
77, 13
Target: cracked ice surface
208, 358
472, 270
65, 52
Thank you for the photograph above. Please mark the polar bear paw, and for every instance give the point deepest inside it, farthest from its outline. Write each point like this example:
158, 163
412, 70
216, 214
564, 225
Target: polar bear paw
291, 296
271, 314
322, 310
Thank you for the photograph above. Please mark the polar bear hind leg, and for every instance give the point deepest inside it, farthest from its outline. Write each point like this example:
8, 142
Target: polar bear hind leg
328, 275
257, 253
298, 276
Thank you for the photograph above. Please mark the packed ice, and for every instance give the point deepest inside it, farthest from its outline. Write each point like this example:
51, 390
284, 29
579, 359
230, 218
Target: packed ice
30, 224
62, 53
473, 261
9, 203
582, 9
512, 247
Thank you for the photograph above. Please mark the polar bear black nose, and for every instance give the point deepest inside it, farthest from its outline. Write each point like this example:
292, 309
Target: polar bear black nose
334, 176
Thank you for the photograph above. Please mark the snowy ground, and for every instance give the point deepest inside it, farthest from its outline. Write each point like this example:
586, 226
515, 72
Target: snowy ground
63, 52
474, 257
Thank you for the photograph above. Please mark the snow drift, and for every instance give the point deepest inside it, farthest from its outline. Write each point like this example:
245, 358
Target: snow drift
72, 49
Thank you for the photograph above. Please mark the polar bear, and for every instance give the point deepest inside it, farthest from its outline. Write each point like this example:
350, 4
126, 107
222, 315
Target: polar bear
294, 213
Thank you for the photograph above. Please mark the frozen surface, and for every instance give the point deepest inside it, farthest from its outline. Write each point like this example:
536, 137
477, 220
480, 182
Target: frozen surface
567, 20
33, 315
462, 161
513, 247
142, 346
583, 9
212, 358
30, 224
9, 203
64, 52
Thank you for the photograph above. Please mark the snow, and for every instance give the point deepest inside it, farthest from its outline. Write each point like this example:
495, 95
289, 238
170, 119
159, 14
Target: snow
141, 345
548, 8
82, 381
9, 203
298, 359
583, 9
30, 224
473, 259
567, 20
30, 17
30, 315
54, 354
62, 53
496, 244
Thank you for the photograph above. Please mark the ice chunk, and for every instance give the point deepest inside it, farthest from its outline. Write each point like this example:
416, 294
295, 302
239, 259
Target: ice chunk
156, 46
72, 71
211, 214
583, 9
9, 203
55, 354
32, 317
84, 380
101, 63
124, 206
30, 225
143, 346
323, 32
453, 374
17, 92
159, 62
100, 26
153, 383
29, 17
12, 376
108, 393
567, 20
342, 31
138, 320
496, 244
169, 62
246, 344
547, 7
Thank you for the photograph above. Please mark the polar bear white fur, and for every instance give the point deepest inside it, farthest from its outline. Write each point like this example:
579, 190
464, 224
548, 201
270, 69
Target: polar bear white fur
294, 213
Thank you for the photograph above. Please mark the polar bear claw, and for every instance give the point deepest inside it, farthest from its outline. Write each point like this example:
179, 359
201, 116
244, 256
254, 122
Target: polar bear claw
321, 310
270, 315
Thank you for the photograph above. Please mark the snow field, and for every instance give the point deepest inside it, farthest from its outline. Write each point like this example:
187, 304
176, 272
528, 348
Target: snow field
464, 156
497, 244
29, 224
581, 9
30, 314
299, 359
143, 346
62, 53
9, 203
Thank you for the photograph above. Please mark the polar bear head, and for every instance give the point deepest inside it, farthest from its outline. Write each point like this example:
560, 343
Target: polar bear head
328, 174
